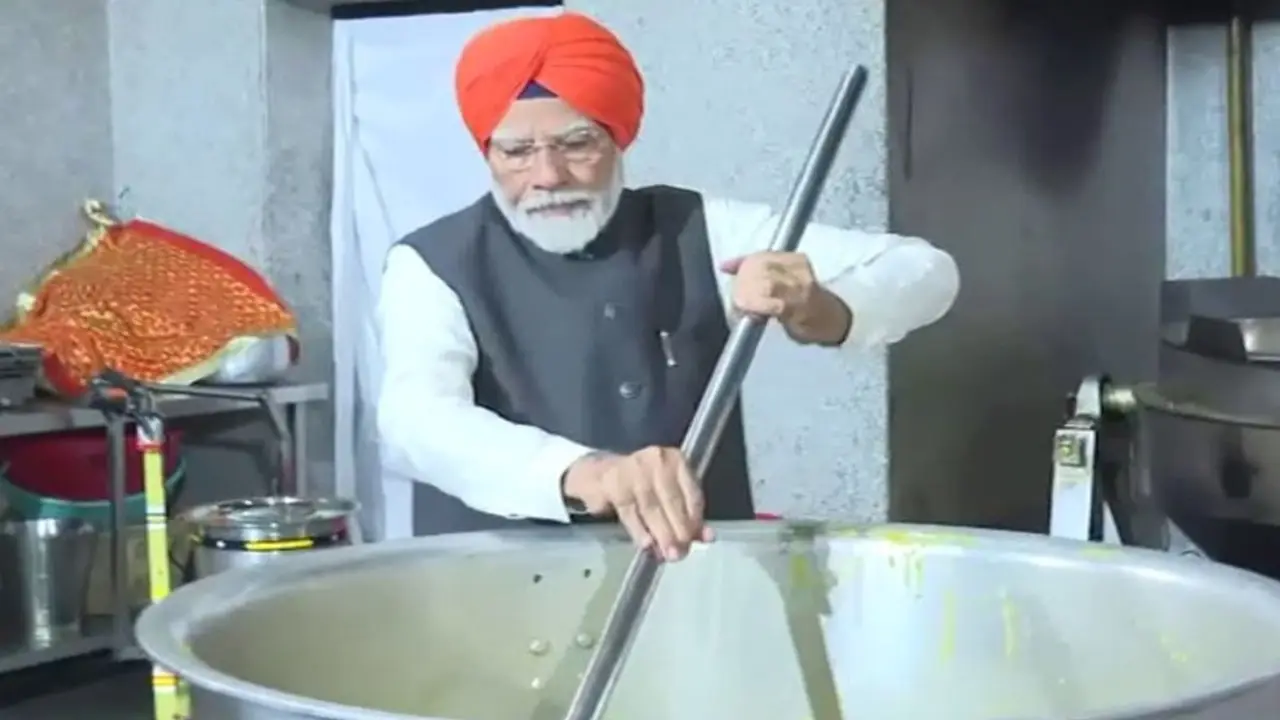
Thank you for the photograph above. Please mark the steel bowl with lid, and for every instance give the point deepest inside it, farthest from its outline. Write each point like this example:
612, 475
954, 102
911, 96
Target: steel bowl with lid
249, 531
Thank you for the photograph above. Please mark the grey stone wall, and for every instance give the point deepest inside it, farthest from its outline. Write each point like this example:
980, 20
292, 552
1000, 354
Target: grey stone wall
1198, 235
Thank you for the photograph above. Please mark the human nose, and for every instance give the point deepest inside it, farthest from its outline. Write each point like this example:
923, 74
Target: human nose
548, 170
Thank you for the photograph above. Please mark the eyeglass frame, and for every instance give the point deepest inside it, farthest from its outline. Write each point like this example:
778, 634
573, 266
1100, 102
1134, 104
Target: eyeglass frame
592, 149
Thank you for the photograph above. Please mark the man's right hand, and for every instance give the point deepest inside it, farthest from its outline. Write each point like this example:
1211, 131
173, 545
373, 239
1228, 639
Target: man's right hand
652, 492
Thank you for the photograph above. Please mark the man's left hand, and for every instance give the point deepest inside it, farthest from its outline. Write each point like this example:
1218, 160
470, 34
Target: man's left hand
782, 286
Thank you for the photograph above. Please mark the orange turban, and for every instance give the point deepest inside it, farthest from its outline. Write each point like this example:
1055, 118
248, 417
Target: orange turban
570, 55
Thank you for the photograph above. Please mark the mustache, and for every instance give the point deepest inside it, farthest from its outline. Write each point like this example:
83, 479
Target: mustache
560, 198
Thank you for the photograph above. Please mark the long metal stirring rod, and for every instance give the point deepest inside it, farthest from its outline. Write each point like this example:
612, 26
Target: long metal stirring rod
713, 411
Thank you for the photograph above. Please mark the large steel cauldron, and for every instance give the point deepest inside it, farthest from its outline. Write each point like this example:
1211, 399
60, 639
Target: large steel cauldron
1213, 422
1207, 450
917, 623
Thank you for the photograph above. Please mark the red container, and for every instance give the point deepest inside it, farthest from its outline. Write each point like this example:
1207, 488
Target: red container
73, 465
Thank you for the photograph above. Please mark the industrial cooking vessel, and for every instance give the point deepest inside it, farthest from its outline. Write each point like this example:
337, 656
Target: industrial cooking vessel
1189, 463
1212, 423
774, 620
1216, 418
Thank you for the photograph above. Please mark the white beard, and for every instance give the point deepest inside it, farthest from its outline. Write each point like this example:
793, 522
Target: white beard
563, 233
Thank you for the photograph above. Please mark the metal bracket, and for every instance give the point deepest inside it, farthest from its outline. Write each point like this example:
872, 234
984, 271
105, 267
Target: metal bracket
115, 394
286, 477
1087, 501
1077, 507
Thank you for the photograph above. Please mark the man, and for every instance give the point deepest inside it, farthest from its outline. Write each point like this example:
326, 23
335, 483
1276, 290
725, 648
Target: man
545, 348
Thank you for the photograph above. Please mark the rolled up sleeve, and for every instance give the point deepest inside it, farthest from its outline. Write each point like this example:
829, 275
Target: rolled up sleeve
893, 284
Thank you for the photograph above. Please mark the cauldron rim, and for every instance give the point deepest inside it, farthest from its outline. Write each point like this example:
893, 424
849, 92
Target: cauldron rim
163, 629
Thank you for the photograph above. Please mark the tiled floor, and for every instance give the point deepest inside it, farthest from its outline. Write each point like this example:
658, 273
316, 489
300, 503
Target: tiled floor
76, 692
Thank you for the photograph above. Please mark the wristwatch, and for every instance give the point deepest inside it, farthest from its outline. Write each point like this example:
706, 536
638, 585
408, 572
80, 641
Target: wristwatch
575, 506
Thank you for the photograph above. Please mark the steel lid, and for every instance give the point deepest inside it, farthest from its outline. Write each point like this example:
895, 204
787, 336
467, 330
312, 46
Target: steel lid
1252, 340
271, 518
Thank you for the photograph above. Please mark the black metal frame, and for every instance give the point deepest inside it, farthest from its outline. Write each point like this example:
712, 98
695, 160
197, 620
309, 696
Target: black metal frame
401, 8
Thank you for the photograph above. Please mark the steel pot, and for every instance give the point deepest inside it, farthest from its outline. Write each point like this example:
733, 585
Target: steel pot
1213, 421
774, 620
240, 533
44, 578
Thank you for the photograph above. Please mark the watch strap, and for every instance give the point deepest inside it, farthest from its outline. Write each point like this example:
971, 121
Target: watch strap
576, 507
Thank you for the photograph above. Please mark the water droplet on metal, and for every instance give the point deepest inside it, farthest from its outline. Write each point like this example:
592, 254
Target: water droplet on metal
539, 647
584, 640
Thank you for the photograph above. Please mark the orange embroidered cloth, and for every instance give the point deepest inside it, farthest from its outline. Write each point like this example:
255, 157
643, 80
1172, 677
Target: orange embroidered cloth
149, 302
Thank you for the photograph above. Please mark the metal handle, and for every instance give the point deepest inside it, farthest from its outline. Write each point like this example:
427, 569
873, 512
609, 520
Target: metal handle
713, 411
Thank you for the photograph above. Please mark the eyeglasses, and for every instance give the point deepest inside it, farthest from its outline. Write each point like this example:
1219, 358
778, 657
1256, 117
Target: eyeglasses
580, 147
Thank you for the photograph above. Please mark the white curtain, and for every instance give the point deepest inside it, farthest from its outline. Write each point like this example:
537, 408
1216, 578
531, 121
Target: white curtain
402, 158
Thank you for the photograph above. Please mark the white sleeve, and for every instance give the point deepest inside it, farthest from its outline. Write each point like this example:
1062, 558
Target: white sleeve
893, 284
429, 426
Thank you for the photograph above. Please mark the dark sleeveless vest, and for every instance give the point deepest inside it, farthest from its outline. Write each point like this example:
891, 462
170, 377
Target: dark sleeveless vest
611, 347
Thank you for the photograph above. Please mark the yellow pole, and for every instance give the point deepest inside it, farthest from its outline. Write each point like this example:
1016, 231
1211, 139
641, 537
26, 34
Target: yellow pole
167, 690
1240, 145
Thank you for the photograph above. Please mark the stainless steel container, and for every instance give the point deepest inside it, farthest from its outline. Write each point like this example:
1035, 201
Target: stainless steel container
771, 621
239, 533
1213, 421
44, 578
1208, 431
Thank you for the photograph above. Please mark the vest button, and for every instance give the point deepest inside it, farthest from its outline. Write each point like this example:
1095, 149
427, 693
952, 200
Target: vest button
610, 311
629, 390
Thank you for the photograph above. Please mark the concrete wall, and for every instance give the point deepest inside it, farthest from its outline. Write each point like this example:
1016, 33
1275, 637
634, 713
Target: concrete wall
735, 94
222, 121
55, 145
214, 116
1197, 192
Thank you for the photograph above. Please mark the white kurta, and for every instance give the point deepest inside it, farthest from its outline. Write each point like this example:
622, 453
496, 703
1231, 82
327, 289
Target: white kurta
431, 429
